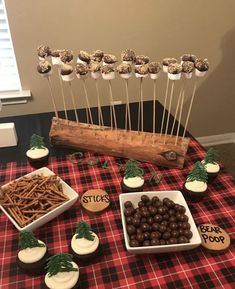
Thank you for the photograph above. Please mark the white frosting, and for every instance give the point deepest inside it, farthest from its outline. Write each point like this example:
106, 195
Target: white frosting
196, 186
165, 68
56, 60
68, 77
82, 246
174, 76
63, 280
211, 168
32, 255
37, 153
187, 75
199, 73
154, 75
134, 182
108, 76
137, 75
96, 74
125, 75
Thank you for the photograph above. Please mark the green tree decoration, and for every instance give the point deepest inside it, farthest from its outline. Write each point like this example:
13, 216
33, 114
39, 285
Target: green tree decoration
154, 176
60, 263
198, 173
211, 157
36, 142
83, 230
132, 169
27, 240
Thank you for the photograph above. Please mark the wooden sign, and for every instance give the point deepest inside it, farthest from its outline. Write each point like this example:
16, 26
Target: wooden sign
95, 200
213, 237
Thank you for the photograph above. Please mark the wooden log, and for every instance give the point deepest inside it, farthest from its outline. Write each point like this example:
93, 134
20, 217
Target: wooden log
121, 143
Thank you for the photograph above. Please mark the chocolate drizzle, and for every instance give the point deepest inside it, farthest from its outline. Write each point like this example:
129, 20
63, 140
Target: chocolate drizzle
43, 51
154, 67
202, 64
107, 69
44, 67
141, 59
142, 69
128, 55
95, 67
109, 58
168, 61
81, 69
174, 68
187, 67
97, 55
124, 68
66, 56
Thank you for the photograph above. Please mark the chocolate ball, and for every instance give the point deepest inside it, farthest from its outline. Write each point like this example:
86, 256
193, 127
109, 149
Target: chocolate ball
162, 228
173, 226
155, 199
129, 211
133, 237
166, 217
140, 237
136, 222
129, 220
146, 243
155, 226
174, 234
188, 234
166, 235
161, 210
134, 243
155, 242
145, 227
128, 204
146, 235
172, 241
145, 198
182, 239
158, 218
131, 230
186, 225
150, 220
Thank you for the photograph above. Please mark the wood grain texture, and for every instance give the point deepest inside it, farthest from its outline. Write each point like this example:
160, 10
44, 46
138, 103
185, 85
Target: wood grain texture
141, 146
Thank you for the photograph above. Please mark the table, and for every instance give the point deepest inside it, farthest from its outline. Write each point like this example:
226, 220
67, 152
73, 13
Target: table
118, 268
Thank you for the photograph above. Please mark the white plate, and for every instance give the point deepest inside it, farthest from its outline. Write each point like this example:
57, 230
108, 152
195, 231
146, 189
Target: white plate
68, 191
175, 196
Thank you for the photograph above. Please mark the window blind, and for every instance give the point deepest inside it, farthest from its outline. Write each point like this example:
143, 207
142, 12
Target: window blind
9, 76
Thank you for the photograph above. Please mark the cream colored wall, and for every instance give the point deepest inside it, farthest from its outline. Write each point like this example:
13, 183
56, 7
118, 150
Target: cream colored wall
163, 28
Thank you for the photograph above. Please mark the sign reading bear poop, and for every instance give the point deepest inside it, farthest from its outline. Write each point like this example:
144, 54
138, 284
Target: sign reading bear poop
95, 201
213, 237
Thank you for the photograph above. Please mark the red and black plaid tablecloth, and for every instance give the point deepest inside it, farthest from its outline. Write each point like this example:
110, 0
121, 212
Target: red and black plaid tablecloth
118, 268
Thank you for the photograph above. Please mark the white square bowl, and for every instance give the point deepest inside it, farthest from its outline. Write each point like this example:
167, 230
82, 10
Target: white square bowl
175, 196
67, 190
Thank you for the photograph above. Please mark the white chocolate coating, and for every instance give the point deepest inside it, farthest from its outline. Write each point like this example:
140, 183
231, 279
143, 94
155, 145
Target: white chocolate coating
134, 182
200, 73
63, 280
82, 246
174, 76
56, 61
108, 76
154, 75
37, 153
68, 77
137, 75
32, 255
196, 186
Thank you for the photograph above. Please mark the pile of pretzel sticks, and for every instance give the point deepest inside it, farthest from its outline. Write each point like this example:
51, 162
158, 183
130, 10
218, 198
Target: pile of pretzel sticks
29, 198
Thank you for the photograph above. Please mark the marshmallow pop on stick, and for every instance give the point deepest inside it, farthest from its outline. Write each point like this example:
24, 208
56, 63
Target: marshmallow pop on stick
201, 68
82, 71
174, 73
154, 72
44, 68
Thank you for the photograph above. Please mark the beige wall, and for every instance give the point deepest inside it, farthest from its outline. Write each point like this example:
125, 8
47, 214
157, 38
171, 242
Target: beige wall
165, 28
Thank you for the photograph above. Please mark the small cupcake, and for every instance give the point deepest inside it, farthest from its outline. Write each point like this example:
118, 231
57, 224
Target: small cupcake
43, 51
84, 245
166, 62
188, 57
55, 57
108, 72
154, 69
66, 72
128, 56
133, 180
141, 60
62, 272
95, 69
97, 55
195, 186
187, 69
141, 71
211, 165
124, 70
66, 56
174, 71
81, 70
83, 57
109, 59
44, 68
37, 154
201, 67
32, 255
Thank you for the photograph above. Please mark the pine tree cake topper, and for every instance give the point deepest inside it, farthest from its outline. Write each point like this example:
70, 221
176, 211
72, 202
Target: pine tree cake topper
60, 263
83, 230
132, 169
211, 157
36, 142
27, 240
198, 173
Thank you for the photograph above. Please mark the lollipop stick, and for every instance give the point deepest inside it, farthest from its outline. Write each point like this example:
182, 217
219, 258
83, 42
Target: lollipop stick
112, 104
62, 92
169, 110
154, 106
73, 100
177, 108
142, 104
87, 100
179, 121
139, 105
52, 97
100, 116
190, 108
128, 113
164, 108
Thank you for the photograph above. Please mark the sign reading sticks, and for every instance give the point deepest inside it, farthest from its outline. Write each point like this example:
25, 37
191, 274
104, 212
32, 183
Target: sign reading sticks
95, 200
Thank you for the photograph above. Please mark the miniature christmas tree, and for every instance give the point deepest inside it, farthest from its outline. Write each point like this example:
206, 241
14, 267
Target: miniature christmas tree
83, 230
211, 157
27, 240
36, 142
132, 169
154, 176
60, 263
198, 173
